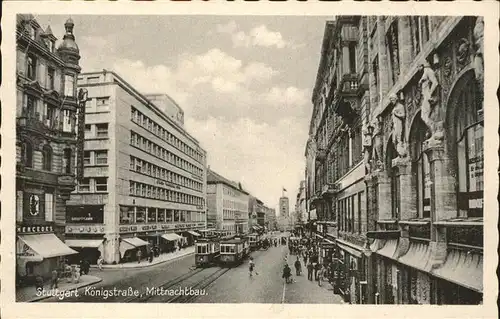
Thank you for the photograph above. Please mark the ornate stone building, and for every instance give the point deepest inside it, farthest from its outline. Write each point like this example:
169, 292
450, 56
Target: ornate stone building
46, 144
425, 178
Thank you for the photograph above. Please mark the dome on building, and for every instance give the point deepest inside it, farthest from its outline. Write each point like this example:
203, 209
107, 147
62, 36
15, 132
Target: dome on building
68, 42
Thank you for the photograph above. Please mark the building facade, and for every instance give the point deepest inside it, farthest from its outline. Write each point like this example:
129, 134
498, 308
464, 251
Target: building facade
227, 203
284, 206
425, 178
47, 135
395, 158
270, 222
145, 177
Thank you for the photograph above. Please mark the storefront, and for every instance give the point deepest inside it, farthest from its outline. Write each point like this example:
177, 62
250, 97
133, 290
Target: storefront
171, 242
38, 253
354, 274
129, 248
89, 249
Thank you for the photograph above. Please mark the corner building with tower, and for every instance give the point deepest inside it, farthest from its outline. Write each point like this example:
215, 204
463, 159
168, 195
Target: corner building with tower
395, 158
47, 136
144, 182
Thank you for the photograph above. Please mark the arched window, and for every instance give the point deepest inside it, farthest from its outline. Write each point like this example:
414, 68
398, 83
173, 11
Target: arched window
394, 178
469, 148
47, 158
420, 168
27, 154
67, 161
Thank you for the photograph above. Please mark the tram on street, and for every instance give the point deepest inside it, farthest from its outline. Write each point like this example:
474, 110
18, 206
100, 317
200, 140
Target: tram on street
207, 233
233, 251
253, 240
207, 252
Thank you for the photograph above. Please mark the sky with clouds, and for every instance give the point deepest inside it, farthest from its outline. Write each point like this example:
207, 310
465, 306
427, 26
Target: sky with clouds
244, 82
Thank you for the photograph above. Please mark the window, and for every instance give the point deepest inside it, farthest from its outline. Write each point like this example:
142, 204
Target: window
101, 157
394, 178
66, 121
357, 147
393, 48
69, 85
102, 101
140, 215
161, 215
352, 57
152, 215
47, 158
131, 190
84, 185
470, 150
32, 32
359, 213
102, 130
101, 184
67, 160
49, 207
86, 158
31, 67
127, 216
421, 168
50, 78
419, 27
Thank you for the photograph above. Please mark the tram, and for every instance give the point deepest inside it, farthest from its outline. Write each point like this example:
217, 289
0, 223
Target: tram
207, 252
207, 233
233, 251
253, 240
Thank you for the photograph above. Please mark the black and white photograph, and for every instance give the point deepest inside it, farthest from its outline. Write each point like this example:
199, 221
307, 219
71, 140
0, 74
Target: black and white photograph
326, 159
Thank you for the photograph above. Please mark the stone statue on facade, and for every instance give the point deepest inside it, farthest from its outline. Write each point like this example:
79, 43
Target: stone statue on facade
428, 83
398, 122
479, 48
378, 143
368, 146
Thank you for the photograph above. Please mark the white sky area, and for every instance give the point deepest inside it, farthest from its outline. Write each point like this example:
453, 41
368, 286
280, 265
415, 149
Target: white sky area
244, 83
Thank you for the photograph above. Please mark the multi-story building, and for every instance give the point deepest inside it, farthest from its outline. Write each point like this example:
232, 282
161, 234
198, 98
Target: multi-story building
403, 202
46, 144
145, 176
284, 206
425, 179
261, 213
271, 219
227, 203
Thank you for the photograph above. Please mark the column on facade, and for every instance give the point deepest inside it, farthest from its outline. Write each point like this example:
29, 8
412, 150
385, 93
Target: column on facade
405, 43
443, 198
407, 191
383, 59
383, 186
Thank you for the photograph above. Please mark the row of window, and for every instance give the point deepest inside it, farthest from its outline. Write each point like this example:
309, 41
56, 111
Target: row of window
349, 212
27, 154
143, 167
158, 151
159, 215
228, 214
142, 120
234, 205
97, 102
96, 130
32, 73
160, 193
49, 114
93, 185
97, 157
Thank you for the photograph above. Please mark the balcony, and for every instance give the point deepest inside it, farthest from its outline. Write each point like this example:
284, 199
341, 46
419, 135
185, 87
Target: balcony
345, 99
46, 127
329, 190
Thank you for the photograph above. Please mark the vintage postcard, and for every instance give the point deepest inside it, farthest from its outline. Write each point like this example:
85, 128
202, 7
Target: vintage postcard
251, 159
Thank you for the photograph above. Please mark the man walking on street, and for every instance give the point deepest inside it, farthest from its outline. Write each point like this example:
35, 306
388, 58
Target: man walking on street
310, 271
139, 255
54, 279
298, 267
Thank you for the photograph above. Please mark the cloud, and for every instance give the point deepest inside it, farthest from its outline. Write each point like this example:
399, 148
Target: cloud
258, 36
257, 154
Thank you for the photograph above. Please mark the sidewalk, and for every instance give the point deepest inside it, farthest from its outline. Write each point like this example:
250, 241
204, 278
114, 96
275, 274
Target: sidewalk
305, 291
29, 294
157, 260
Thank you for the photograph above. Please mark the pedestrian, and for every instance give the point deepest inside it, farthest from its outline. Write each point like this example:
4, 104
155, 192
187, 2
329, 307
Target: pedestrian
315, 270
287, 273
54, 279
321, 273
139, 255
251, 266
38, 283
305, 257
298, 267
309, 271
100, 260
151, 256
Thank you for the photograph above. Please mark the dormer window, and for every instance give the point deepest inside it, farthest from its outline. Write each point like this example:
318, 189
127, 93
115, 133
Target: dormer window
32, 31
52, 46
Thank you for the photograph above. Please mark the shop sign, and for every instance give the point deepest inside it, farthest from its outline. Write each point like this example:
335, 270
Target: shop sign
327, 245
167, 226
85, 229
126, 229
34, 229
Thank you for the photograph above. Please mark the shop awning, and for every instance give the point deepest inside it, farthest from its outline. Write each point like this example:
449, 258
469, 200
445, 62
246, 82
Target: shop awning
465, 269
192, 232
171, 236
84, 243
45, 245
417, 256
350, 250
255, 227
389, 248
135, 241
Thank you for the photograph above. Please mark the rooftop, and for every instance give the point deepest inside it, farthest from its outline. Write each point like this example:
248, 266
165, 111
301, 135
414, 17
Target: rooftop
214, 178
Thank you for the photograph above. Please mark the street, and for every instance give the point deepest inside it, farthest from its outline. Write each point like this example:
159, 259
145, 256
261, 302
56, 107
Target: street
229, 285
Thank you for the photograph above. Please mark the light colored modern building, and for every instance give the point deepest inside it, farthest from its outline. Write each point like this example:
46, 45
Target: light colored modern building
145, 176
227, 204
47, 136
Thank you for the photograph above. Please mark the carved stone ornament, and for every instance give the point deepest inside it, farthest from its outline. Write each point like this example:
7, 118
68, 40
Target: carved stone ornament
462, 51
447, 67
429, 84
479, 47
378, 147
398, 120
